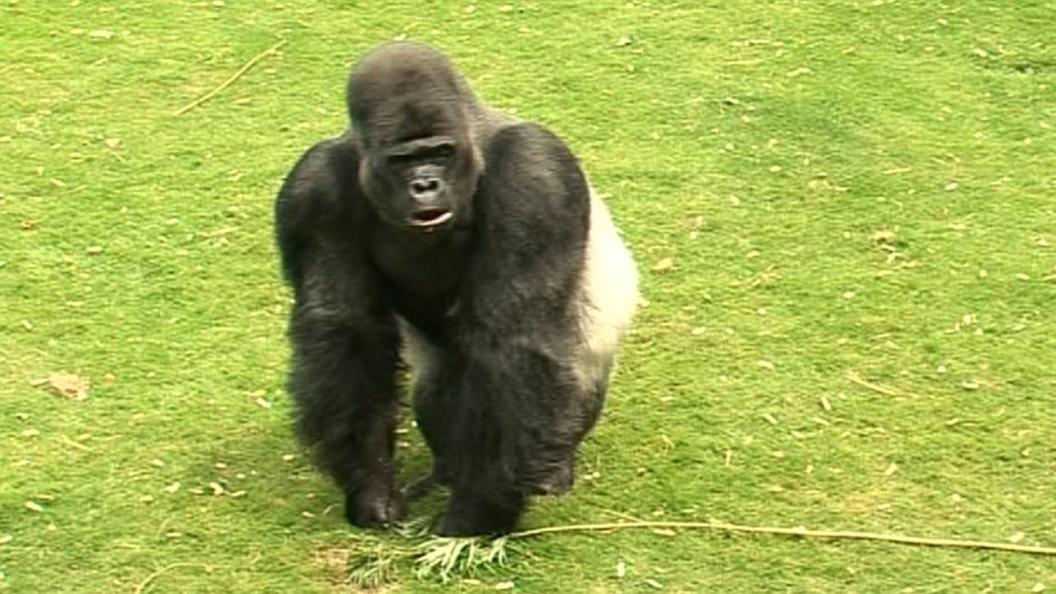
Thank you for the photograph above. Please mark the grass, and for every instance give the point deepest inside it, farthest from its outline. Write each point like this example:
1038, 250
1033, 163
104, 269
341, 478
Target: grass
816, 192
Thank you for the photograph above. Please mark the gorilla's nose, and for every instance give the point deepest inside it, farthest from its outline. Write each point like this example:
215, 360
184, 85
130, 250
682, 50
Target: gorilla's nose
426, 189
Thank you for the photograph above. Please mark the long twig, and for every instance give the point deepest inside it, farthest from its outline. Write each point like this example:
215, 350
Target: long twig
800, 532
142, 587
227, 83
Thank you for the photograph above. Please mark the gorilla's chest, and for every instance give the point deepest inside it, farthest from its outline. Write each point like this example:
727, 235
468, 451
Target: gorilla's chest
423, 272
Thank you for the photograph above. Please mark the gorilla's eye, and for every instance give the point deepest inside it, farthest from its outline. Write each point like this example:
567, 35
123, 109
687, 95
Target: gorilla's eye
444, 151
437, 154
401, 159
430, 150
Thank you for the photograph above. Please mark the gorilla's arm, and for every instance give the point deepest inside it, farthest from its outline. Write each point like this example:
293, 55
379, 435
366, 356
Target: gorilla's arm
345, 343
516, 330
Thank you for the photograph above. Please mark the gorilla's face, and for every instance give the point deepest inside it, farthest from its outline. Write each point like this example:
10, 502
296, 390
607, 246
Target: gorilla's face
410, 115
422, 184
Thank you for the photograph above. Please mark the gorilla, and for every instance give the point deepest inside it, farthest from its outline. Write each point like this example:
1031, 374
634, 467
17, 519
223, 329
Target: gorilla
441, 234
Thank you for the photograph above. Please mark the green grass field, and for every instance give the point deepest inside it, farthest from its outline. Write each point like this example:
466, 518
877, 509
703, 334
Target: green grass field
844, 214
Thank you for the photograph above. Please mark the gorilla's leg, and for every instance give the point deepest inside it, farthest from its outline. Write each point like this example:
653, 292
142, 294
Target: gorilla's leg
559, 481
417, 489
431, 416
587, 408
430, 389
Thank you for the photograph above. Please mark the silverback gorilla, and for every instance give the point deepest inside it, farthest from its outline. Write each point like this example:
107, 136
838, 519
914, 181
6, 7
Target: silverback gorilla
467, 244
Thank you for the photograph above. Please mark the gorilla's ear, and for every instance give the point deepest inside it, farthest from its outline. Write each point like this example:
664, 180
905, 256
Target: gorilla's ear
367, 175
478, 158
356, 140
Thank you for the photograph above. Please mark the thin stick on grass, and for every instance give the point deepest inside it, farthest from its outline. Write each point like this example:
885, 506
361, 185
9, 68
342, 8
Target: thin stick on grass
76, 444
740, 63
142, 587
857, 379
227, 83
623, 516
800, 532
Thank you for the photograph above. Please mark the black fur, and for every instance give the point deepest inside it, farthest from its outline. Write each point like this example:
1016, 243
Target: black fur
494, 293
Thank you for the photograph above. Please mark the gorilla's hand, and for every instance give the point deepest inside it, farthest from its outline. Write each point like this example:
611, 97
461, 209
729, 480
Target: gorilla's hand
374, 505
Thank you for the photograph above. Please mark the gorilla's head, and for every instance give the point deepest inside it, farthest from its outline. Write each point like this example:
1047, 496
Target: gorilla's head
410, 114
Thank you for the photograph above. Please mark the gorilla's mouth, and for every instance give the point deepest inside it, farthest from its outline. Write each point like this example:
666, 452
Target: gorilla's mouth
427, 218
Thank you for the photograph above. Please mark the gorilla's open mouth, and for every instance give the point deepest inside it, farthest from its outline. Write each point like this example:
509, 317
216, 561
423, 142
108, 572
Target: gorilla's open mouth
428, 218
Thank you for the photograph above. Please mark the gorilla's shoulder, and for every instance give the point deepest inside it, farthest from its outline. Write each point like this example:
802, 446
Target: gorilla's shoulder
529, 142
528, 157
324, 167
532, 184
322, 182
